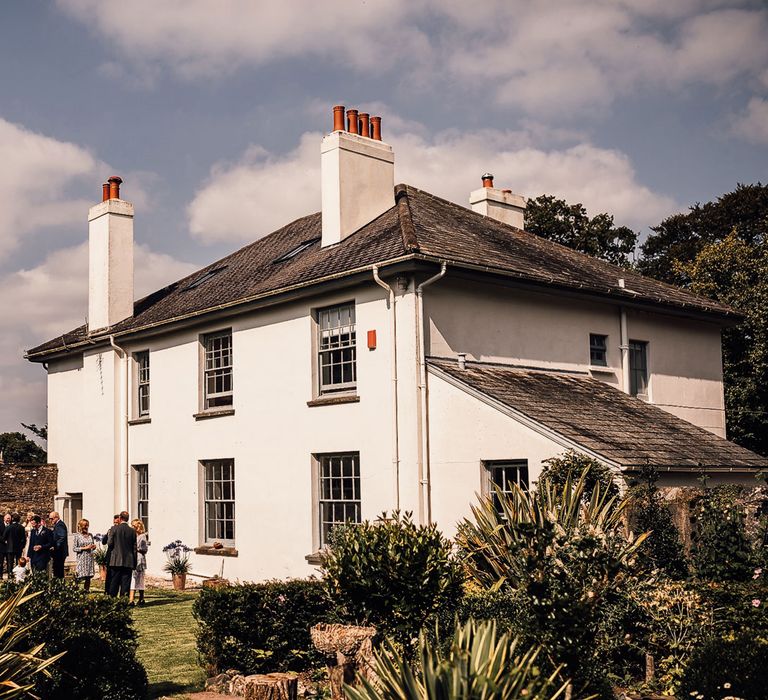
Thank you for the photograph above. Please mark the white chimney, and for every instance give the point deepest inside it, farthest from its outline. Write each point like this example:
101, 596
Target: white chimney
501, 205
357, 175
110, 259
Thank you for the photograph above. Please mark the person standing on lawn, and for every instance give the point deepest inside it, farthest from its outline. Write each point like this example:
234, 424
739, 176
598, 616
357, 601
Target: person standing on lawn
108, 555
4, 561
15, 537
123, 559
84, 545
60, 544
137, 582
40, 545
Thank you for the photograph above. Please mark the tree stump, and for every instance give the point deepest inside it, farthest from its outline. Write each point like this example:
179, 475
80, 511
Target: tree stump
349, 651
271, 686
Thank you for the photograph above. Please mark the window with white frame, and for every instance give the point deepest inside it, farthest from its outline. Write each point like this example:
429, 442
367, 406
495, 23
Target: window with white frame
598, 350
638, 368
336, 348
501, 474
219, 501
217, 370
141, 493
142, 383
339, 492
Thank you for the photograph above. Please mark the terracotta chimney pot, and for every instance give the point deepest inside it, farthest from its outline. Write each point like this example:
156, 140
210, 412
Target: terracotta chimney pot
352, 126
114, 186
105, 192
487, 180
376, 128
365, 126
338, 118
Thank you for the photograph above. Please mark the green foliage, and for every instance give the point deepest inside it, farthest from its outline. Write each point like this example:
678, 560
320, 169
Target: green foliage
17, 448
260, 627
567, 557
681, 237
393, 574
721, 549
96, 632
571, 226
663, 548
479, 666
572, 464
40, 430
19, 663
735, 667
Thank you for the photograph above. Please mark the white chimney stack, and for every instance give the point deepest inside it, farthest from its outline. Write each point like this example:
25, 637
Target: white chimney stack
110, 259
498, 204
357, 175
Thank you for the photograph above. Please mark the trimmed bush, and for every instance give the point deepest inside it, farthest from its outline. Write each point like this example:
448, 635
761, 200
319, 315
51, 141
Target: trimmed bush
96, 632
571, 465
722, 668
260, 627
392, 574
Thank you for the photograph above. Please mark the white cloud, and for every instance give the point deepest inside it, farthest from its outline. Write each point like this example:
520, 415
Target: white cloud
44, 301
245, 200
752, 124
553, 56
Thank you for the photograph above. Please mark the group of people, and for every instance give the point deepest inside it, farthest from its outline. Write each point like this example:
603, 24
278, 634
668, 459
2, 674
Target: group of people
47, 544
43, 543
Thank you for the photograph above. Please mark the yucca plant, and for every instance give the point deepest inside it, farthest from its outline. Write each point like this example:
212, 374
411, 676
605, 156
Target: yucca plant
565, 556
19, 668
480, 665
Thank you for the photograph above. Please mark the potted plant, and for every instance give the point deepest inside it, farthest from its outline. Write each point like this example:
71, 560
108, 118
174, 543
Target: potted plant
100, 558
177, 563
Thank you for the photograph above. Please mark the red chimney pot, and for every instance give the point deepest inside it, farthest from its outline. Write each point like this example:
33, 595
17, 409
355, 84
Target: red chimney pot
352, 126
376, 128
114, 186
487, 180
338, 118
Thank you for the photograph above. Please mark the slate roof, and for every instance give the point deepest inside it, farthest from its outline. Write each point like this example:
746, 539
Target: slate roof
419, 226
600, 418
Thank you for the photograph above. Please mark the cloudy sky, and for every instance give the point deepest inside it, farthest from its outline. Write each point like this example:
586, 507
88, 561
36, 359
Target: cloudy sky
212, 112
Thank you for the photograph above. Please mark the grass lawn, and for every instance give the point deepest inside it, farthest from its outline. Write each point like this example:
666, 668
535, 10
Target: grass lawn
167, 643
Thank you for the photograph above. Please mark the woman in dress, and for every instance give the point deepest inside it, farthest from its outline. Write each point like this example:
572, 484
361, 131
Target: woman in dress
137, 582
84, 545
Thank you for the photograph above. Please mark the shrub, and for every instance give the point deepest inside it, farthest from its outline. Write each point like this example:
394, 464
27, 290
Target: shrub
96, 632
571, 465
479, 664
728, 667
393, 574
567, 557
260, 627
721, 549
19, 666
663, 548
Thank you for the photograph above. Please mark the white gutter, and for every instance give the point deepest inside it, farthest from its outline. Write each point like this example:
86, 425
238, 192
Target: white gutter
422, 425
125, 472
393, 341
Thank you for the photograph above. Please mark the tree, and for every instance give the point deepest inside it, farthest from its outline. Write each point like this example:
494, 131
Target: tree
18, 448
571, 226
681, 237
40, 431
735, 272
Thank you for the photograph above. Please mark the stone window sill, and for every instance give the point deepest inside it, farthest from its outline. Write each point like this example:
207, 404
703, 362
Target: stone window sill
601, 369
208, 550
218, 413
316, 559
140, 421
334, 400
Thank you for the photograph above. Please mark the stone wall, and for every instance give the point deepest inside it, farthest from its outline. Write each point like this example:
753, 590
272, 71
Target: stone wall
25, 487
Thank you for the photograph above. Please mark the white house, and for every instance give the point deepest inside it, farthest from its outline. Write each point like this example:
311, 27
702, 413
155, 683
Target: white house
393, 351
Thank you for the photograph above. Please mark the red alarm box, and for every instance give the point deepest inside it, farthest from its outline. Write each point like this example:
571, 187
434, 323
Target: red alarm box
371, 340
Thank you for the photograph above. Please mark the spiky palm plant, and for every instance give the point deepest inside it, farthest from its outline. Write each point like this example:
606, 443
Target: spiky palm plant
479, 666
19, 668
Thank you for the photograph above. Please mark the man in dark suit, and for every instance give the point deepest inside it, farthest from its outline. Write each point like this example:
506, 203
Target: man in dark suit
40, 545
14, 535
3, 546
123, 561
60, 544
105, 540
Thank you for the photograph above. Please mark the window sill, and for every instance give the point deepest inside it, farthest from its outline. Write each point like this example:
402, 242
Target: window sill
316, 559
600, 369
140, 421
334, 400
217, 413
208, 550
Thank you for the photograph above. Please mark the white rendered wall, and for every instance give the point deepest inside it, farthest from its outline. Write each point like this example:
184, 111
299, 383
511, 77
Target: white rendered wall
495, 324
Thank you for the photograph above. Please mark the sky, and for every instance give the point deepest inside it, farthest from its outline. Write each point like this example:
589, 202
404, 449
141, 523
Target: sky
213, 112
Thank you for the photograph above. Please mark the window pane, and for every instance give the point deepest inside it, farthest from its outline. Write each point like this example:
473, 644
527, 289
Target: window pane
219, 509
336, 348
339, 492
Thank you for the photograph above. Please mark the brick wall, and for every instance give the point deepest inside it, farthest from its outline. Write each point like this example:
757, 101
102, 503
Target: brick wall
25, 487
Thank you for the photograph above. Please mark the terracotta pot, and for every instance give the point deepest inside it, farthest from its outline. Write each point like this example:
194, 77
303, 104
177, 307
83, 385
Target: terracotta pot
102, 572
179, 582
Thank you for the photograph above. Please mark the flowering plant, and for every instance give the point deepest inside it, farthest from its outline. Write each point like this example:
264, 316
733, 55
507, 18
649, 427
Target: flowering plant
177, 558
100, 552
